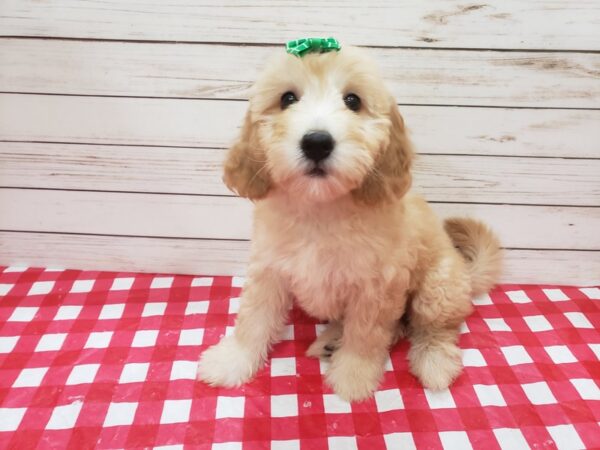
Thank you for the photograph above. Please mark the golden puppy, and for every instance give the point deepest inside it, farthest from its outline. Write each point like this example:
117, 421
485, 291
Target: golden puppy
324, 153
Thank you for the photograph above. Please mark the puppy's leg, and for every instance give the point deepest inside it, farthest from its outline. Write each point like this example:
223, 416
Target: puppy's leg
437, 310
327, 342
368, 331
260, 321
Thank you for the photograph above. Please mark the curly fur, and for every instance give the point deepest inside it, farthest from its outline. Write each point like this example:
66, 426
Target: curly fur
352, 247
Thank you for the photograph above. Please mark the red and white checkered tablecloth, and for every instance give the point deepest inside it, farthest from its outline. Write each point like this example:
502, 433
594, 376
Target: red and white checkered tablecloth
108, 360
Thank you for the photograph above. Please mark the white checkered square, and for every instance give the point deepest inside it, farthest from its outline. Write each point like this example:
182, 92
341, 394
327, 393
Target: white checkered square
23, 314
510, 438
98, 339
587, 388
122, 284
68, 312
292, 444
489, 395
518, 297
229, 331
154, 309
560, 354
82, 374
194, 336
335, 405
8, 343
565, 437
388, 400
10, 418
200, 307
497, 324
283, 367
5, 288
82, 286
472, 357
555, 295
238, 281
402, 441
539, 393
284, 405
591, 292
30, 377
463, 328
389, 367
537, 323
202, 281
452, 440
341, 443
184, 370
144, 338
176, 411
288, 333
578, 320
234, 305
230, 407
323, 366
134, 373
15, 269
440, 399
112, 311
483, 299
120, 414
50, 342
226, 446
161, 283
516, 354
64, 417
41, 288
596, 349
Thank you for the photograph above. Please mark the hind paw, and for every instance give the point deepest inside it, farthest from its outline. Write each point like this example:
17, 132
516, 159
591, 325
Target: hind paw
327, 342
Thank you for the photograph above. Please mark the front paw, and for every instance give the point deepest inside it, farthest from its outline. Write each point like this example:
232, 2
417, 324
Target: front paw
354, 378
228, 364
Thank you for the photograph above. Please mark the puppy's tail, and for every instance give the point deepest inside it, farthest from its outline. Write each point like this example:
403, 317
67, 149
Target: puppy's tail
481, 249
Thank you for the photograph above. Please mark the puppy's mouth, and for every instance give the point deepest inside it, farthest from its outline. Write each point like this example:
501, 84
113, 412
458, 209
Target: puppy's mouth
317, 172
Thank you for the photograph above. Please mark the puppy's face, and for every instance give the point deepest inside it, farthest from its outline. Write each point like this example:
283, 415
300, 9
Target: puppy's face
320, 127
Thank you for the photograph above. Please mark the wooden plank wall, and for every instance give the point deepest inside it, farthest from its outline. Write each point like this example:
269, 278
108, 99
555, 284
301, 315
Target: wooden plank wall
115, 115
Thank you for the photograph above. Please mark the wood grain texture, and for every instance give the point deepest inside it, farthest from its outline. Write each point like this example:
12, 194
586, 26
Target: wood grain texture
230, 217
206, 257
517, 24
417, 76
483, 179
478, 84
214, 123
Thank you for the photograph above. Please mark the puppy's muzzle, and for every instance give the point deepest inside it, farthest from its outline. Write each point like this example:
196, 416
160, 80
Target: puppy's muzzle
317, 145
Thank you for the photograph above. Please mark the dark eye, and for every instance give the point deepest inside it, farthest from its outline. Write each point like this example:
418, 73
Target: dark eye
352, 101
288, 99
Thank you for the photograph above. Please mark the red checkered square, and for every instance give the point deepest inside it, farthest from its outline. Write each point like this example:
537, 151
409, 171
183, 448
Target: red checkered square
108, 360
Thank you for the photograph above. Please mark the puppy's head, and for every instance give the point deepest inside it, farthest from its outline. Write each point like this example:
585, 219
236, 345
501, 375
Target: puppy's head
321, 127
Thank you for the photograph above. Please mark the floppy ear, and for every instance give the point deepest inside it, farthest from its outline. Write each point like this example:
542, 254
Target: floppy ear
245, 170
390, 178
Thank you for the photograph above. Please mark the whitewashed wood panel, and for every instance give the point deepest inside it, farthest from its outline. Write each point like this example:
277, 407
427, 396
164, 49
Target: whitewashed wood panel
230, 217
214, 123
484, 179
417, 76
540, 24
206, 257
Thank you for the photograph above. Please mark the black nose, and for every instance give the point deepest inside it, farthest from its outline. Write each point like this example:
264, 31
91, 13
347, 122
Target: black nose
317, 145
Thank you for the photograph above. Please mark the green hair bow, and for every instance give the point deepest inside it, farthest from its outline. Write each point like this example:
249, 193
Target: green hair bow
300, 47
